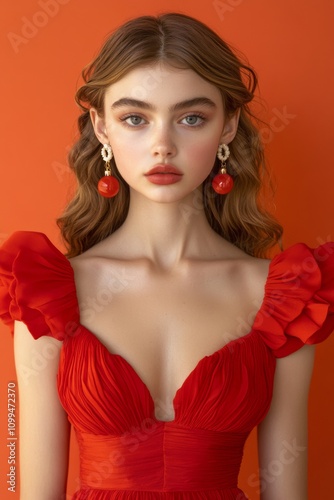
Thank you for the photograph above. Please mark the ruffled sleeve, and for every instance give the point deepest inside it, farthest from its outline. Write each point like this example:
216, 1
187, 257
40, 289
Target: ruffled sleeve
298, 306
37, 286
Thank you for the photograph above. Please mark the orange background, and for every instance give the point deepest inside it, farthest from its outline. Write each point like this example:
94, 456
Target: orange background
46, 43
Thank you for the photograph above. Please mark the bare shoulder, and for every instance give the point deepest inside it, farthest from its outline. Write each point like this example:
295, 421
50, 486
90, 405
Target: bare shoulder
98, 256
246, 272
101, 268
255, 270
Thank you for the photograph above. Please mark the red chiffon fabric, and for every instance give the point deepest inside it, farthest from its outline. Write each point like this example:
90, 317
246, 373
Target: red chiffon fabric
125, 451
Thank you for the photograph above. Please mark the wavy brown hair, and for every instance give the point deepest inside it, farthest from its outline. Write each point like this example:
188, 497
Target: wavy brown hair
183, 42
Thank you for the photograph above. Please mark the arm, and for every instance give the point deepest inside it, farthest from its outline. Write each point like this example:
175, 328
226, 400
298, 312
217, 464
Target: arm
43, 426
282, 435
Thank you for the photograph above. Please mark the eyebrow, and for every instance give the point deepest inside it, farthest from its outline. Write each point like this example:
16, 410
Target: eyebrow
196, 101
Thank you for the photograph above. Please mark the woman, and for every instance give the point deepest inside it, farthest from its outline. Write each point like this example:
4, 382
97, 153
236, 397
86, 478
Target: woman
170, 336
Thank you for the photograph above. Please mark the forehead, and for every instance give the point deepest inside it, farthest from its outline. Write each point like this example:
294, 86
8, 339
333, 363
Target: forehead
150, 82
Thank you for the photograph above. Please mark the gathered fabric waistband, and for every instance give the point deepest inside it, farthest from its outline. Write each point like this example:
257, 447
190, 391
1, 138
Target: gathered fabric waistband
168, 457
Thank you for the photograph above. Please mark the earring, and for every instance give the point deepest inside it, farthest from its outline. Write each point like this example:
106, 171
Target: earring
108, 186
223, 183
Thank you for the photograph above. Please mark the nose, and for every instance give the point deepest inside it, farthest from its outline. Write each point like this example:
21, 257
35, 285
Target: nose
163, 143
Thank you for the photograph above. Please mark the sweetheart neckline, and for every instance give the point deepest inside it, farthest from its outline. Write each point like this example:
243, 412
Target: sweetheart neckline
192, 373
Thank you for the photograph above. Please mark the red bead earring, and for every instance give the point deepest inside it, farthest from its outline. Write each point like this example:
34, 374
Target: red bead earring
223, 183
108, 186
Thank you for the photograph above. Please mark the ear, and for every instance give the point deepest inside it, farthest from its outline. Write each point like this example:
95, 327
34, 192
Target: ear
99, 126
230, 128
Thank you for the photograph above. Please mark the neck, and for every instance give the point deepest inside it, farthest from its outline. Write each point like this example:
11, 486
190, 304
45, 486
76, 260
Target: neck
168, 233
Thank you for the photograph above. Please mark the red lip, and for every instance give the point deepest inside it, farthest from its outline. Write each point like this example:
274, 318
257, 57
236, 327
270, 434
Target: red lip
164, 169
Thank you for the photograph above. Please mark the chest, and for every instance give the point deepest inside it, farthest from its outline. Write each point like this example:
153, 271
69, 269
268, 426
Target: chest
164, 325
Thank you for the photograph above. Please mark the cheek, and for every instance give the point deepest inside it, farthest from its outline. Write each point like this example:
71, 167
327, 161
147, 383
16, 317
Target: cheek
128, 159
127, 151
124, 161
204, 156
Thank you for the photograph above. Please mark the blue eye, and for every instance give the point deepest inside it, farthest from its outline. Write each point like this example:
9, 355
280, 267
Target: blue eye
133, 120
194, 120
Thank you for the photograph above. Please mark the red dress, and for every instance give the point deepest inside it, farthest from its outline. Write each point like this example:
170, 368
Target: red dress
125, 452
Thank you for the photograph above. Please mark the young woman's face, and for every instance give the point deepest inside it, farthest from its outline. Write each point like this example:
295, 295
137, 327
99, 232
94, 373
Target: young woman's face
166, 119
